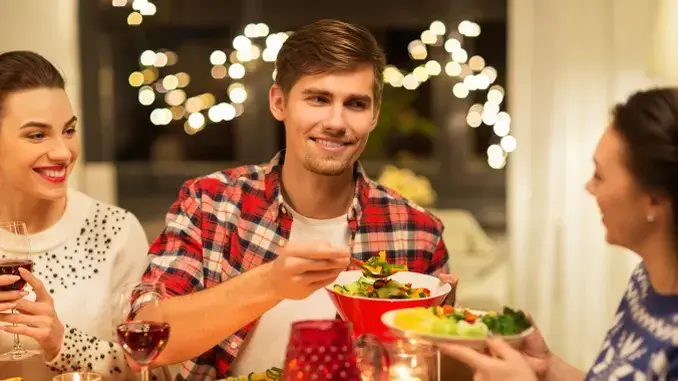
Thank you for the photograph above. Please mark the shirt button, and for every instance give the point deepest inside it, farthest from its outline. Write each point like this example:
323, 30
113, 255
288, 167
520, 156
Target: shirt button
234, 345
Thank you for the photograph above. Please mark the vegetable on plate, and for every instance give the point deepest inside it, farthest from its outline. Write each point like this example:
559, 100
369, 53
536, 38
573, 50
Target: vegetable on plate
462, 322
272, 374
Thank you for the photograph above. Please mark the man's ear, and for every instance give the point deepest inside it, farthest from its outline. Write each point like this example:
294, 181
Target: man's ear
276, 102
375, 118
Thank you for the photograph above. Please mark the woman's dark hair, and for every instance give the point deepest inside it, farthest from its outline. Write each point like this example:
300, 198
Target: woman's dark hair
24, 70
648, 123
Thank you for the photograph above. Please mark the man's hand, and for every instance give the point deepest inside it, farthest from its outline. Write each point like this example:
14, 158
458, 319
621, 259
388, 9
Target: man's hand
453, 281
300, 270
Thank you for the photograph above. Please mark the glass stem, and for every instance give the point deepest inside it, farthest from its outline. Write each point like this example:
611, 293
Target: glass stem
145, 374
17, 340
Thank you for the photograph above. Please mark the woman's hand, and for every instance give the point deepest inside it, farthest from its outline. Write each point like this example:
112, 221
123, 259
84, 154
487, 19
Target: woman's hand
536, 352
38, 319
504, 364
9, 296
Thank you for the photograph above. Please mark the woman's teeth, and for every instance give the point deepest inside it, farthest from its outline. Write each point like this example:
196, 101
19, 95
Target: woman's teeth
53, 173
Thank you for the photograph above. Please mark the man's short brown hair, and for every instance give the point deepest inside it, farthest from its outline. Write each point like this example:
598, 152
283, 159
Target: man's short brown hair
328, 46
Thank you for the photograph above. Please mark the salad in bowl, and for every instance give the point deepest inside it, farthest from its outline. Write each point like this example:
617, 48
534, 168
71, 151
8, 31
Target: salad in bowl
362, 300
383, 288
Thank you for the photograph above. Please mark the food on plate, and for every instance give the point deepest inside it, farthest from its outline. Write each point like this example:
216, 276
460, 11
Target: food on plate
384, 288
462, 322
273, 374
378, 265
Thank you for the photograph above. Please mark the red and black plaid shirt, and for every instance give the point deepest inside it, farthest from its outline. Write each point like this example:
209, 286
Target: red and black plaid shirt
231, 221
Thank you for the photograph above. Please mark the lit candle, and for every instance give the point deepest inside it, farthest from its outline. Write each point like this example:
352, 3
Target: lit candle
402, 373
78, 376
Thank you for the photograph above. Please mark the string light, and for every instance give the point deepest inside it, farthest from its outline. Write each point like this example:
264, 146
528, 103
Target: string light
438, 28
140, 9
225, 64
473, 74
433, 68
236, 71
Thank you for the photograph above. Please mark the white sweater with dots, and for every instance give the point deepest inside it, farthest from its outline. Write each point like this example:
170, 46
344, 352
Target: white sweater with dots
83, 260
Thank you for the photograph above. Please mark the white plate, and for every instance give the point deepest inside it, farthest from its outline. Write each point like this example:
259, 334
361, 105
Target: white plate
473, 342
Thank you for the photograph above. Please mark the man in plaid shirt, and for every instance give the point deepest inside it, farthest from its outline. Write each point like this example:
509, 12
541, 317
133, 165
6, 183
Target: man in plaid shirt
247, 251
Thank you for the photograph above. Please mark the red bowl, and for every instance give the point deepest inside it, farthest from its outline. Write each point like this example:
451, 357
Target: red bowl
365, 313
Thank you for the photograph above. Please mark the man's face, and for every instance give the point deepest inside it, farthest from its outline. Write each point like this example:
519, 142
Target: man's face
328, 118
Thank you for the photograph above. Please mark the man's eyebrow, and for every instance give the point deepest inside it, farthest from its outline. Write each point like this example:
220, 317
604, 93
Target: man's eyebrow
317, 91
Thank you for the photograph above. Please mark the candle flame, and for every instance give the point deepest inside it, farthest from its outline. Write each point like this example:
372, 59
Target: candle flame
403, 372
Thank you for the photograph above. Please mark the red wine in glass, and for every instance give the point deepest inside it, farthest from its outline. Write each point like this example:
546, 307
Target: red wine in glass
143, 340
11, 267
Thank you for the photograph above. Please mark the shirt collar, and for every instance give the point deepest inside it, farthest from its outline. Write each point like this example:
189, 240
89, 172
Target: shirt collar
274, 197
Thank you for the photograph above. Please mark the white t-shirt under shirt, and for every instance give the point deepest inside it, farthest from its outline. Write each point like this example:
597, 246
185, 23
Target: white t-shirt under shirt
82, 260
266, 345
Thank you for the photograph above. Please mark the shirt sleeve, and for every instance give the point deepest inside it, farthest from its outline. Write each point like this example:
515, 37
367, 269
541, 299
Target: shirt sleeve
176, 256
176, 259
439, 259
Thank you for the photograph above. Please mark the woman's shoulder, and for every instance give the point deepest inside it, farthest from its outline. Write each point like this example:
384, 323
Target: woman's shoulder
113, 224
100, 211
85, 221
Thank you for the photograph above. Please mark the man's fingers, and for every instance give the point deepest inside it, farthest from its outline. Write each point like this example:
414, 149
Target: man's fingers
452, 279
322, 276
302, 265
320, 284
316, 251
322, 254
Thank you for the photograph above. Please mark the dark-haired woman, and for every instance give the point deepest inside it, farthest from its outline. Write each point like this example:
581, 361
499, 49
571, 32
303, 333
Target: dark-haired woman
83, 250
636, 187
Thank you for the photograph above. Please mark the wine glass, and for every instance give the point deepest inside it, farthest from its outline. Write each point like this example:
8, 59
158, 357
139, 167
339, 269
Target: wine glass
16, 250
142, 338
